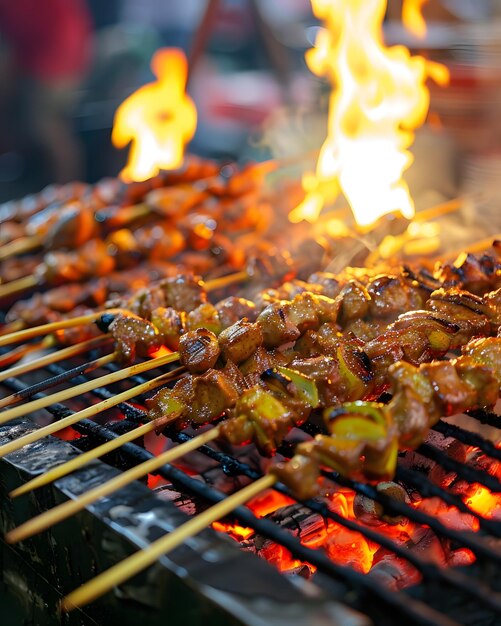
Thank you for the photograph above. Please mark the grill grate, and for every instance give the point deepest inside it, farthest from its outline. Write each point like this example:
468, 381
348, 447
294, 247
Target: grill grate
362, 592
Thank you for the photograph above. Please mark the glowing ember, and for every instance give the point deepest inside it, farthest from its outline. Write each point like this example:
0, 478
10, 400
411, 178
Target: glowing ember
379, 98
162, 351
159, 119
412, 17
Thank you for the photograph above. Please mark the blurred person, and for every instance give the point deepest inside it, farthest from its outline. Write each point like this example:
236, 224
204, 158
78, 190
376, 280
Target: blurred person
45, 51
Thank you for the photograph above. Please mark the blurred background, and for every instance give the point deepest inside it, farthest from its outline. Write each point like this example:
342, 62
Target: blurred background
65, 66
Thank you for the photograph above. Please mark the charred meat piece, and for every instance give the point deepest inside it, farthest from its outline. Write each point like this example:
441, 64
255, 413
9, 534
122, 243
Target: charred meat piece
466, 310
199, 350
240, 341
276, 325
329, 283
471, 273
183, 292
391, 295
300, 475
133, 335
233, 309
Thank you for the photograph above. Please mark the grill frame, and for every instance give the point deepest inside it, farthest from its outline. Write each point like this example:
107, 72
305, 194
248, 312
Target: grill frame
352, 595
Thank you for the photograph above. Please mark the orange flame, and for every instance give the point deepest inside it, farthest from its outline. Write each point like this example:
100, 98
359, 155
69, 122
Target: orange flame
412, 17
158, 119
379, 98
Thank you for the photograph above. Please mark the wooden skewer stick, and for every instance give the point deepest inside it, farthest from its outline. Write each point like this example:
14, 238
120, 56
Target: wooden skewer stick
474, 248
69, 508
20, 351
82, 459
45, 329
28, 392
140, 560
449, 206
54, 357
19, 246
15, 286
29, 333
225, 281
87, 413
13, 327
65, 394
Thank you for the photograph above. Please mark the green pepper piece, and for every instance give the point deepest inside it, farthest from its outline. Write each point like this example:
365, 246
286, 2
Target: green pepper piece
357, 428
306, 386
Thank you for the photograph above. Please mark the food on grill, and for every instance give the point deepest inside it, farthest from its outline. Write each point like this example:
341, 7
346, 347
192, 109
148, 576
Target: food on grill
451, 317
364, 437
342, 369
44, 208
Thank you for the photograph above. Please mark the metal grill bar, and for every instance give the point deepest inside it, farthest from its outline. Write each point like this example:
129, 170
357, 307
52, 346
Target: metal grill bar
468, 540
468, 438
429, 489
463, 470
485, 417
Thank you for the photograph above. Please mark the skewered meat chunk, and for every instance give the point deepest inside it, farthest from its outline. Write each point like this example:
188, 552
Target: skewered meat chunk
74, 226
353, 301
390, 295
336, 382
232, 309
468, 311
183, 292
212, 394
474, 274
240, 341
89, 261
485, 351
300, 474
276, 325
199, 350
133, 335
145, 301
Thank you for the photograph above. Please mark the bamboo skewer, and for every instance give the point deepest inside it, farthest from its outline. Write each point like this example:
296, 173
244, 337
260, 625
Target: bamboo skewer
474, 248
140, 560
18, 335
21, 351
55, 381
13, 327
15, 286
20, 246
225, 281
65, 394
54, 357
90, 411
82, 459
45, 329
66, 509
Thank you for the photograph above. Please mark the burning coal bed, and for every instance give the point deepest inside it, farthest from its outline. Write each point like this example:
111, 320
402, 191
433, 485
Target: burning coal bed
346, 522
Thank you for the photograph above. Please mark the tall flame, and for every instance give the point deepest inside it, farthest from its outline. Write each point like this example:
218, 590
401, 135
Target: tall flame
379, 98
158, 119
412, 17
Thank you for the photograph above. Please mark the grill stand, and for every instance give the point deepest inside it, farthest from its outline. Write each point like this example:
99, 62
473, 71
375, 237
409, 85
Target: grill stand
211, 579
